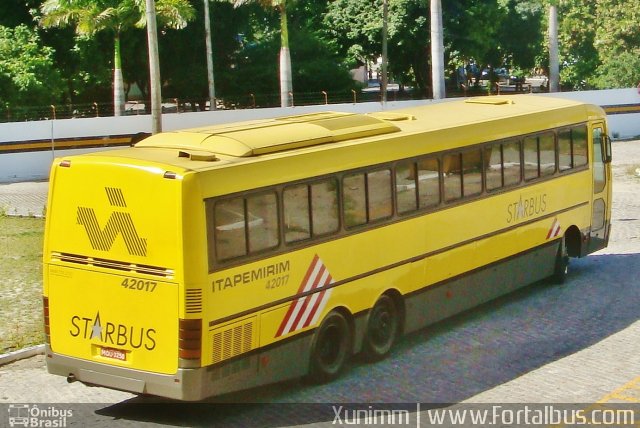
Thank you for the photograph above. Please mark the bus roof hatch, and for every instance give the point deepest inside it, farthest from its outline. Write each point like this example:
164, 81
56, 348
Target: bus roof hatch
273, 135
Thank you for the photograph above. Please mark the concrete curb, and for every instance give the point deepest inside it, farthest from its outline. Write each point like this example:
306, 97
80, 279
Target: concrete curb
21, 354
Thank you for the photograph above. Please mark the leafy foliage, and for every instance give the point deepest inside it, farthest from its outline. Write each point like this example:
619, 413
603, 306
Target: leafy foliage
578, 55
599, 44
617, 42
619, 71
314, 66
27, 72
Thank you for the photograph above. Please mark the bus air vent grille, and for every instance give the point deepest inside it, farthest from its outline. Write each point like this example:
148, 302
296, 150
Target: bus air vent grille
112, 264
194, 301
231, 341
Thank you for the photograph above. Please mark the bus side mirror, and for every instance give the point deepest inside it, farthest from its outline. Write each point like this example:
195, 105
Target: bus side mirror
607, 150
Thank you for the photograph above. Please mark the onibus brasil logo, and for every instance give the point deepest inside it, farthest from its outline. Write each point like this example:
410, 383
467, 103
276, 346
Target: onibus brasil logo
33, 415
119, 223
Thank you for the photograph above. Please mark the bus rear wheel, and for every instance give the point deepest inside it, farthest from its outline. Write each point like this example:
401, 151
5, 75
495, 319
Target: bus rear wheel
382, 329
331, 348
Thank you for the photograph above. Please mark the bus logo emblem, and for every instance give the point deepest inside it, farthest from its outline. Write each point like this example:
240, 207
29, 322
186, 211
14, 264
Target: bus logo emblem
305, 311
555, 229
119, 223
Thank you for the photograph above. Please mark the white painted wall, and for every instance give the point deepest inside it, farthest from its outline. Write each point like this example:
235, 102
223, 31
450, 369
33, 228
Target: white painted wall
35, 165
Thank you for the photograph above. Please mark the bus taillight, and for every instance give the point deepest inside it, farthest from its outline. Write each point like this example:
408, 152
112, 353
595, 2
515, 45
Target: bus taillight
190, 339
45, 308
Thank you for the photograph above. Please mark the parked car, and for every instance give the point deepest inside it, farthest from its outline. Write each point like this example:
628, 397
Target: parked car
500, 72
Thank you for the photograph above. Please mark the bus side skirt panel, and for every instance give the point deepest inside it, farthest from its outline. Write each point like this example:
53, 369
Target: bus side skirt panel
440, 301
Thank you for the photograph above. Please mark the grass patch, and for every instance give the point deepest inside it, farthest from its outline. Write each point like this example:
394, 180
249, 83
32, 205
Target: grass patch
20, 282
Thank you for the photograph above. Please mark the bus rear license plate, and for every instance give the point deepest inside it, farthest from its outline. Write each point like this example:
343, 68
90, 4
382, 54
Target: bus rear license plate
115, 354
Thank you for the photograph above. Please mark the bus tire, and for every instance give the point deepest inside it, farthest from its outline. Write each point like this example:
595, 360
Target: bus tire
561, 266
382, 329
331, 348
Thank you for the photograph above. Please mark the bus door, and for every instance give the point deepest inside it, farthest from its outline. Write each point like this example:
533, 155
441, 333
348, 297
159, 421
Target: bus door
600, 219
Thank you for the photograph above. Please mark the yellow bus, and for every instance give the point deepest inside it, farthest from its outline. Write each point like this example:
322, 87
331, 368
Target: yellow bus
215, 259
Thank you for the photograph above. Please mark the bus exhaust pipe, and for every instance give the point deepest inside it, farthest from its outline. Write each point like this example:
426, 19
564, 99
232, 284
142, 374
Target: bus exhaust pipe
71, 378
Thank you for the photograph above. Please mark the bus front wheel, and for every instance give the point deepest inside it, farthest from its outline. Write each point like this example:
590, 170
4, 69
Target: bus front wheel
331, 348
561, 267
382, 329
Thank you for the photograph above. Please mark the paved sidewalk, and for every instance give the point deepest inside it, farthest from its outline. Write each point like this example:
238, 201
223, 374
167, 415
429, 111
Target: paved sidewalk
24, 199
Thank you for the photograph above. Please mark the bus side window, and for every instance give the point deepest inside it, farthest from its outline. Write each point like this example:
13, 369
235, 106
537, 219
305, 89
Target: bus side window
367, 197
406, 188
262, 221
229, 224
451, 169
472, 172
565, 151
494, 171
379, 198
531, 160
511, 163
297, 224
324, 207
355, 200
235, 220
579, 138
547, 148
428, 182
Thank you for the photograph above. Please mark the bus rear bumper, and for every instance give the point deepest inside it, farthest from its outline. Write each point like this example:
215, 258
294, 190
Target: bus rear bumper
288, 360
129, 380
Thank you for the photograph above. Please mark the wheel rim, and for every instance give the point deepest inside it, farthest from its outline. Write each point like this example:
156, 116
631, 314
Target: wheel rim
331, 348
382, 326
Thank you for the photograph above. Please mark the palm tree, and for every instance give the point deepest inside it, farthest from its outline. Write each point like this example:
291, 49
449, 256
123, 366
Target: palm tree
286, 85
437, 50
93, 16
209, 47
554, 62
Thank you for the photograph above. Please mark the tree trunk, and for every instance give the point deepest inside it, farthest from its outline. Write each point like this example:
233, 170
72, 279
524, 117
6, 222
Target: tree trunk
286, 85
437, 50
207, 35
118, 82
154, 68
554, 60
385, 17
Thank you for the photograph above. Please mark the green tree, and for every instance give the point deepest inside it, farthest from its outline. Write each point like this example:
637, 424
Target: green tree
355, 27
316, 68
115, 16
576, 38
27, 73
617, 42
286, 80
473, 29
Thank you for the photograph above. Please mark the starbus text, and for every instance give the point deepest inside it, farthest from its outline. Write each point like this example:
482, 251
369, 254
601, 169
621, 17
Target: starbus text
526, 208
113, 334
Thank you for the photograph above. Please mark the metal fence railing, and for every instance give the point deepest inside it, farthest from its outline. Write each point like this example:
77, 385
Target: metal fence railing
10, 113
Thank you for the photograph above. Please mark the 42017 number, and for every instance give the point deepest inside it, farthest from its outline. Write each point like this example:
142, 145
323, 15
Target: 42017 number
279, 281
139, 284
